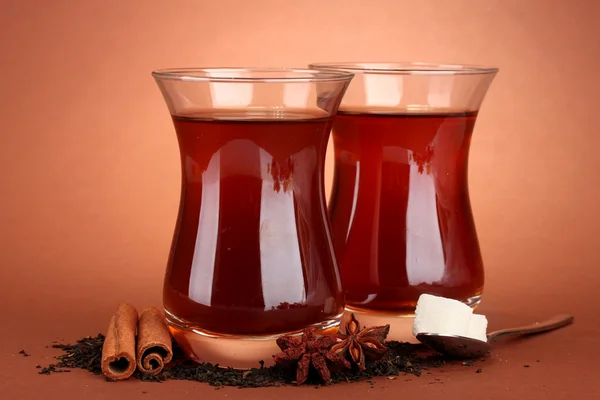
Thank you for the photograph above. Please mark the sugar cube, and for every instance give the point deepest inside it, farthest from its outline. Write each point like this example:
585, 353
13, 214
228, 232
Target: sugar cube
435, 314
441, 315
478, 327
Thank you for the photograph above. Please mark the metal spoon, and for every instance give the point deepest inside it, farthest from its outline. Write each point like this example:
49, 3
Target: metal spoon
464, 347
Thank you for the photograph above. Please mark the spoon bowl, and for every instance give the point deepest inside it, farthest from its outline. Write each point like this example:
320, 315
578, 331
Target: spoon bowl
464, 347
454, 345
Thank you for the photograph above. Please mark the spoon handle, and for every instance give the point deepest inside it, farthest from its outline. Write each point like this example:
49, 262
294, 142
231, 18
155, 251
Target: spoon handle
555, 322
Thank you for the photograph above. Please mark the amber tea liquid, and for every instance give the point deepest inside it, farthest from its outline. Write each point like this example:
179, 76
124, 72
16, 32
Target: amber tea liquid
251, 239
400, 211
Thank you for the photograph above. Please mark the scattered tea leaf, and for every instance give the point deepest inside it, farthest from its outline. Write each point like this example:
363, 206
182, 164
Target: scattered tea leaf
403, 358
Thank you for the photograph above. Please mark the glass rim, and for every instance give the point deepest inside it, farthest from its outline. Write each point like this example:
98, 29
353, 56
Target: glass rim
228, 74
406, 68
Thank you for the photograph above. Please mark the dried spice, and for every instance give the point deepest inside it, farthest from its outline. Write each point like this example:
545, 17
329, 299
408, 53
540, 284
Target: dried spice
402, 358
309, 351
361, 345
86, 354
154, 342
118, 353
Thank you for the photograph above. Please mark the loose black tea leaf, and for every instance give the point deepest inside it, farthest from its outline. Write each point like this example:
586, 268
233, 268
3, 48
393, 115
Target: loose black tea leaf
403, 358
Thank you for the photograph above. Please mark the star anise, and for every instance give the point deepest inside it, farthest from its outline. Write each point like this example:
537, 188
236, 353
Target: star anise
360, 345
309, 351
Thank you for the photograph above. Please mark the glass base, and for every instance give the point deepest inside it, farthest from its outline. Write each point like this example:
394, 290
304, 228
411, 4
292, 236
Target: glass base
401, 322
239, 352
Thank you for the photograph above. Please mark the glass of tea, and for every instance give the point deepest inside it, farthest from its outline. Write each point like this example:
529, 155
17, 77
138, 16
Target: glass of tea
399, 209
252, 256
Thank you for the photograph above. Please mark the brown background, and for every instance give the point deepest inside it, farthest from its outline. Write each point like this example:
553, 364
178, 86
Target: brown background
90, 179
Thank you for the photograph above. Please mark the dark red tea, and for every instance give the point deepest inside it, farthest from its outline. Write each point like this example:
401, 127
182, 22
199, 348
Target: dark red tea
252, 253
400, 211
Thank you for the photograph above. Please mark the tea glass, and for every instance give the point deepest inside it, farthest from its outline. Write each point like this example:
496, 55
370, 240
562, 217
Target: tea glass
400, 212
252, 256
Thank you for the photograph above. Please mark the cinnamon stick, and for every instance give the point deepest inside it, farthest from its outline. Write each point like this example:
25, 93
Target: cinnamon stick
154, 348
118, 350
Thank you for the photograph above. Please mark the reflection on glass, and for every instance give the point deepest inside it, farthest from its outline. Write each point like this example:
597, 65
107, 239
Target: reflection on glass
279, 238
424, 254
201, 274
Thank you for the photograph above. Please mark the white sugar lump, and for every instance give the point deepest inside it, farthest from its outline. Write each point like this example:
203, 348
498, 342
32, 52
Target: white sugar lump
478, 327
435, 314
441, 315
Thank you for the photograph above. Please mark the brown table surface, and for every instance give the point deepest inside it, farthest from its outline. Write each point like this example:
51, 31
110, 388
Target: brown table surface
563, 363
90, 180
